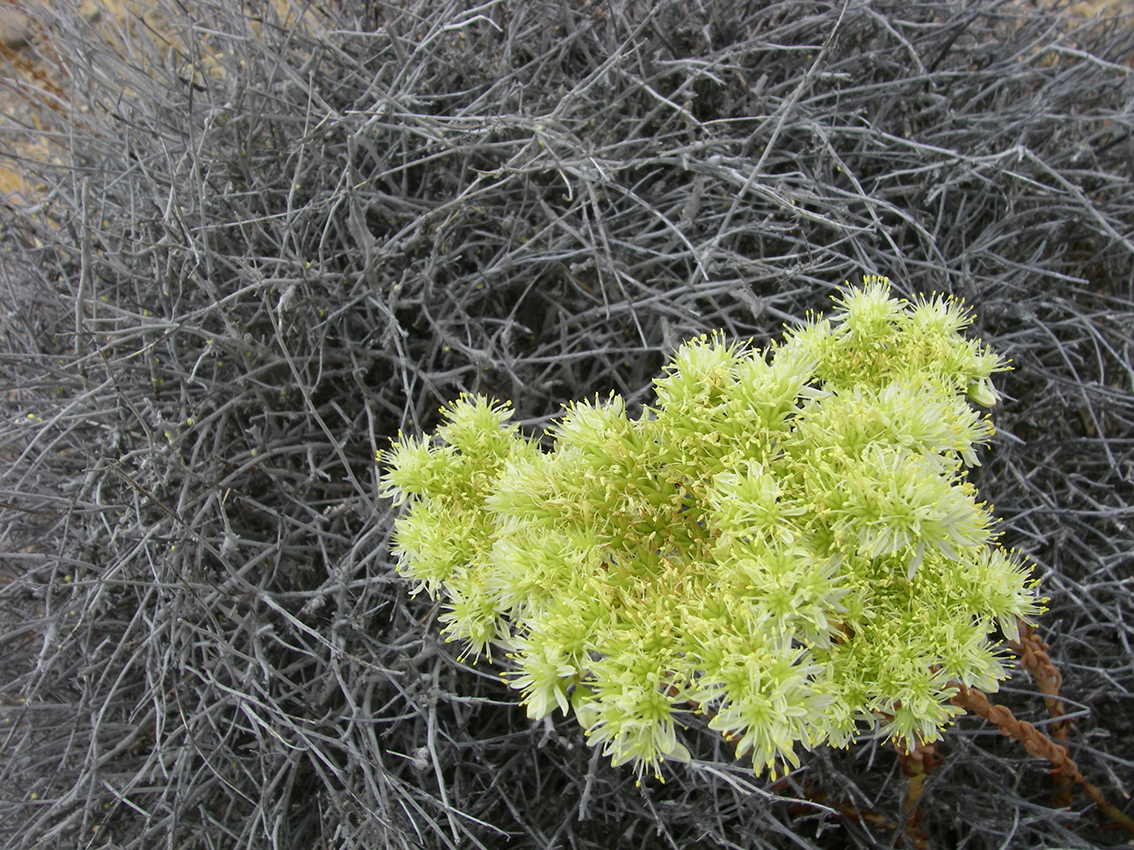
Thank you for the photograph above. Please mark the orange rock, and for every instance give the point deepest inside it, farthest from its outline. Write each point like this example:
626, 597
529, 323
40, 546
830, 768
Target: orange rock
10, 182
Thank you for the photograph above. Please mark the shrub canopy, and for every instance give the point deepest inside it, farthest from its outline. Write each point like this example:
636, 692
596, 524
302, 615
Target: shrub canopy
272, 237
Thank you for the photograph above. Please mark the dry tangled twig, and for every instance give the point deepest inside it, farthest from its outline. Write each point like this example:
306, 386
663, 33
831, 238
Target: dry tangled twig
275, 240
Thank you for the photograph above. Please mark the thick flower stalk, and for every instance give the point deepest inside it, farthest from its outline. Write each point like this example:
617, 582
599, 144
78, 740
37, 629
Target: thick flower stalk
785, 542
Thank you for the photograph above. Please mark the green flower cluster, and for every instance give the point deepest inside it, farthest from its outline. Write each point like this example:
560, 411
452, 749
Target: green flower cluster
786, 543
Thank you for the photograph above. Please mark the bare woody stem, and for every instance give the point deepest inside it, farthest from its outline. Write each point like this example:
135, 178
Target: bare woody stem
1040, 745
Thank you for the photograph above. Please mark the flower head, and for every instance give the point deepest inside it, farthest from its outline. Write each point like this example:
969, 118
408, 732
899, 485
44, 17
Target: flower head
786, 542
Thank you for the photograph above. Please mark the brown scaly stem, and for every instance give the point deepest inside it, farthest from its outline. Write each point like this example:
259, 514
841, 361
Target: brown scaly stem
916, 765
1034, 658
1032, 651
1040, 745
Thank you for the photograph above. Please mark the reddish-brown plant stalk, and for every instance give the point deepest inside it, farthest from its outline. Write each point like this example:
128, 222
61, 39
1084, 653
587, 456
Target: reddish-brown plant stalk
1032, 651
1040, 745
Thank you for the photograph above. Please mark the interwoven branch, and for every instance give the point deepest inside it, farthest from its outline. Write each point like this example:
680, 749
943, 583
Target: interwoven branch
270, 235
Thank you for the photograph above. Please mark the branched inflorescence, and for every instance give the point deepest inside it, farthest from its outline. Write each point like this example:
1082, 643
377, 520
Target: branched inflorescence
786, 542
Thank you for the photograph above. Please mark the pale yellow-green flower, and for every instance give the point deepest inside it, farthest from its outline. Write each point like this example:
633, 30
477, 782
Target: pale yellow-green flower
786, 542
